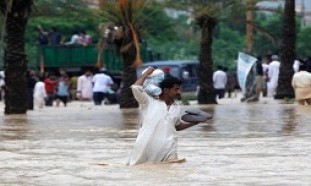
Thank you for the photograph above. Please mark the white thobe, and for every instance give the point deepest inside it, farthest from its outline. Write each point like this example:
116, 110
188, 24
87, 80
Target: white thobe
220, 79
157, 136
273, 75
85, 86
39, 94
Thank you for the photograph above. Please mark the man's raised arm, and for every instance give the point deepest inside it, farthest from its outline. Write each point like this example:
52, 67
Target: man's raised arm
143, 77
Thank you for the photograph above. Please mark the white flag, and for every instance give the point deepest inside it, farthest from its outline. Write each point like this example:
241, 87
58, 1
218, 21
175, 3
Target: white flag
245, 63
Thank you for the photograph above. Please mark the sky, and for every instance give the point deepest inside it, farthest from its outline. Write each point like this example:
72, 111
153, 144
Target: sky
298, 3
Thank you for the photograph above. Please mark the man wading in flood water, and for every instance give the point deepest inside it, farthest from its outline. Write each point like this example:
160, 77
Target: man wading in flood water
157, 138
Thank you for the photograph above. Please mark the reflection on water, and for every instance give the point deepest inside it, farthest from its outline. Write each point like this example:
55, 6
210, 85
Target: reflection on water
15, 127
244, 144
229, 120
290, 121
254, 120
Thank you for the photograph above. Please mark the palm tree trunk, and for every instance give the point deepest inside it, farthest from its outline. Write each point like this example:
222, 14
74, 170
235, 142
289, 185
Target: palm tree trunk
249, 26
284, 88
129, 77
206, 93
15, 64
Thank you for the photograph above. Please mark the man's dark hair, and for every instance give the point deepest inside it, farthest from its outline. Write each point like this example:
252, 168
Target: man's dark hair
169, 82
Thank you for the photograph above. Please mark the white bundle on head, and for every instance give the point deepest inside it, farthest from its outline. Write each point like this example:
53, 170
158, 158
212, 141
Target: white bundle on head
151, 84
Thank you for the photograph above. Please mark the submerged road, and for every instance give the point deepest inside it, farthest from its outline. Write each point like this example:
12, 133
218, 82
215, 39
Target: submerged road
265, 143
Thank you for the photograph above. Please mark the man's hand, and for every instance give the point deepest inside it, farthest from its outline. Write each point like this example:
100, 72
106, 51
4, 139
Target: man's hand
149, 70
142, 78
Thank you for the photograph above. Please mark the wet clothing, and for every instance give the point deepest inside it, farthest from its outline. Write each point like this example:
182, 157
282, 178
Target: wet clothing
259, 78
39, 94
157, 136
273, 77
84, 87
301, 83
50, 88
259, 68
63, 91
220, 80
102, 83
31, 81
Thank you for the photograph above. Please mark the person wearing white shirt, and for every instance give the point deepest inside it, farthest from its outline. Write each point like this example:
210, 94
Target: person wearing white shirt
156, 141
220, 81
101, 85
39, 94
273, 75
85, 86
75, 39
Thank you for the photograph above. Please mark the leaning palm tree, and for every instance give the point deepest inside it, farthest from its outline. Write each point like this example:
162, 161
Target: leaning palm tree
126, 15
16, 13
288, 55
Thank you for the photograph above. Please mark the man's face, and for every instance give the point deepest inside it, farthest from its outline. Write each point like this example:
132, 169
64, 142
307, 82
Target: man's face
173, 92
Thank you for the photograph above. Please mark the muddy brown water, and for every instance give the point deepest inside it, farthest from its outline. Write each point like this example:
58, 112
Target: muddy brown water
245, 144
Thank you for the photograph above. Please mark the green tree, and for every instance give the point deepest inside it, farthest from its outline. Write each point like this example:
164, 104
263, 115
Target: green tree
16, 13
206, 15
303, 42
127, 15
65, 16
268, 41
288, 55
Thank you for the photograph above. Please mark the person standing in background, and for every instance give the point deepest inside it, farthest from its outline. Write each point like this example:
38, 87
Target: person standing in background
273, 75
102, 83
259, 78
50, 88
220, 82
2, 84
31, 82
85, 39
39, 94
265, 66
301, 83
62, 92
85, 86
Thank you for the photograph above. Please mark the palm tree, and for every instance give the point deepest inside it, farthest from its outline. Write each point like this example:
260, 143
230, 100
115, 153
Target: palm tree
206, 14
207, 24
288, 55
16, 14
126, 15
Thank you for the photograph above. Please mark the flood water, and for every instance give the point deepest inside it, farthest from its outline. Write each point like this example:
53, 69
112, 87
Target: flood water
267, 143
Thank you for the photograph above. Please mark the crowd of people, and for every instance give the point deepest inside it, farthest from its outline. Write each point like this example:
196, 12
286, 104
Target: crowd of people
56, 89
263, 78
54, 37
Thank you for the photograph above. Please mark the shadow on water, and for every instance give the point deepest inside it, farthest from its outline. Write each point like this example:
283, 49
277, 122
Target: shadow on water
15, 127
131, 118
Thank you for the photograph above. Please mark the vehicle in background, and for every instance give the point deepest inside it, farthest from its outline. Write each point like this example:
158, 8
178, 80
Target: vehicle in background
186, 70
77, 58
